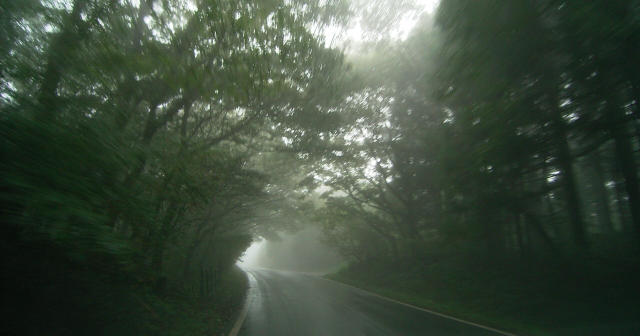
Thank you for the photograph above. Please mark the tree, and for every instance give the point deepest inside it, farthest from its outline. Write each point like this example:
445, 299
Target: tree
128, 128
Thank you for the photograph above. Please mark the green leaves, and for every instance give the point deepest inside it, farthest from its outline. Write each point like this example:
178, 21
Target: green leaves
129, 125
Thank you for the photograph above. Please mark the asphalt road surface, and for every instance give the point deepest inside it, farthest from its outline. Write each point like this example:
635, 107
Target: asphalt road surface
287, 303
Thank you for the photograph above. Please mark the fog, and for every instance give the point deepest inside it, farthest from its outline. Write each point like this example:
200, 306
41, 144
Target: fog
302, 251
480, 159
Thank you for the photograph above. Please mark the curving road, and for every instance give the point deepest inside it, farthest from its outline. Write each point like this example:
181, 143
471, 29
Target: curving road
286, 303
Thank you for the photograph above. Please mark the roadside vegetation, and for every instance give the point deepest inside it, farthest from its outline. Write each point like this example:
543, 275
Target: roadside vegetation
533, 298
491, 171
141, 152
484, 164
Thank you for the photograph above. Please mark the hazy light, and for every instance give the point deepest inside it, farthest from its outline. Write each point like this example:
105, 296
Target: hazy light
251, 255
406, 25
335, 36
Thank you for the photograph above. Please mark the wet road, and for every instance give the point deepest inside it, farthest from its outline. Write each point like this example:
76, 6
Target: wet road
286, 303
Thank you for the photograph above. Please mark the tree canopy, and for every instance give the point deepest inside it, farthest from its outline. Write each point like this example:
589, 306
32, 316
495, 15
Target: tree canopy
148, 142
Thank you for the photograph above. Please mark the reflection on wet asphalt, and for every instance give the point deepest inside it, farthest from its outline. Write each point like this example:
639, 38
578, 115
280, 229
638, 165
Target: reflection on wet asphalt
287, 303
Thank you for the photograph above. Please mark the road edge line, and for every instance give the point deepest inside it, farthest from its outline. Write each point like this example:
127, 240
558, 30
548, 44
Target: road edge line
502, 332
243, 314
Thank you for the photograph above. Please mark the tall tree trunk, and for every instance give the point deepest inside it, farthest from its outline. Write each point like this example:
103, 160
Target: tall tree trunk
534, 224
61, 48
624, 214
568, 181
619, 130
631, 54
602, 196
626, 162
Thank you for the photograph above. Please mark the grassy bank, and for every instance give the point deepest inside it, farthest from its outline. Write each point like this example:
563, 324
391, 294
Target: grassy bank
533, 298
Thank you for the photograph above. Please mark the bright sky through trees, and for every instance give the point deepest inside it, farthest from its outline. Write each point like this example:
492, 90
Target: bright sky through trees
355, 34
480, 145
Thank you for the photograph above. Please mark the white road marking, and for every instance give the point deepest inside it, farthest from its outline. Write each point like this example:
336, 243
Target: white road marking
243, 314
501, 332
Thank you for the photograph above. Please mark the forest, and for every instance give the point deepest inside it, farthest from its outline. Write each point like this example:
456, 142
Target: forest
485, 164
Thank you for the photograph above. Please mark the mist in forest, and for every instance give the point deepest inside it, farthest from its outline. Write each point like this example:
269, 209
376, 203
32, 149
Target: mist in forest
301, 251
479, 158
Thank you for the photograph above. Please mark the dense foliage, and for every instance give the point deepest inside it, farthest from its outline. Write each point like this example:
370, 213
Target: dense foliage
507, 126
133, 141
494, 152
145, 143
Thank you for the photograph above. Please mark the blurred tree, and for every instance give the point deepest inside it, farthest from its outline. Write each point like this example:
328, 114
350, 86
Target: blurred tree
489, 132
129, 128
